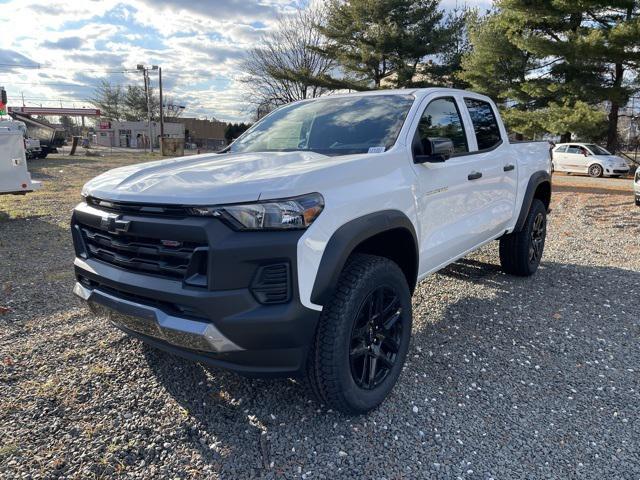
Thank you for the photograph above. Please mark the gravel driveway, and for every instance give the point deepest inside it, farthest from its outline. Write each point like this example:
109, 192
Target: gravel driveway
506, 378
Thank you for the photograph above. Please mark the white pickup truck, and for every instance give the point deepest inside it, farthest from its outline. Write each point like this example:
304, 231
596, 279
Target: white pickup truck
297, 249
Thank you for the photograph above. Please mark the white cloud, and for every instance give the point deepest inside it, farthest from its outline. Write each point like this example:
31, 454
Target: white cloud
199, 44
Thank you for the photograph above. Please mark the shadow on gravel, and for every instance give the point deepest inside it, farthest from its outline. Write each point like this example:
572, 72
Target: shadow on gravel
535, 374
212, 397
617, 190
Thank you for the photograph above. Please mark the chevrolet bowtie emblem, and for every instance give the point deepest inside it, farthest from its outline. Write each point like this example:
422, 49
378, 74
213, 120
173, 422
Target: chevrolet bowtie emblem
114, 224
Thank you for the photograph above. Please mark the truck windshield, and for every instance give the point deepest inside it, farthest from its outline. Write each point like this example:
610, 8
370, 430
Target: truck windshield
331, 126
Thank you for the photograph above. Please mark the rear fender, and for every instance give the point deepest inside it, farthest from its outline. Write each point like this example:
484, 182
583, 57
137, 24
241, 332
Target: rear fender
537, 179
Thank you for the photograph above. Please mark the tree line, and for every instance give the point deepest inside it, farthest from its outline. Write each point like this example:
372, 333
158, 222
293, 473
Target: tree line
119, 103
554, 67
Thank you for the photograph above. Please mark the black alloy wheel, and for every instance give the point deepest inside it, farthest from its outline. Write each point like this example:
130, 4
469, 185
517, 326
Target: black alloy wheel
375, 338
363, 336
538, 235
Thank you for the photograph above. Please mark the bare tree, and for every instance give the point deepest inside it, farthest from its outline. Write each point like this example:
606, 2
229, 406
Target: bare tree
282, 69
110, 100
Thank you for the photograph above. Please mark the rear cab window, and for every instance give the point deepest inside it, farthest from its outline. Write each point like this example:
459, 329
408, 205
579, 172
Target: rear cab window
485, 124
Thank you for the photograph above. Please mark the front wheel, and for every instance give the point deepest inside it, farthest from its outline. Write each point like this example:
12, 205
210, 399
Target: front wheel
363, 336
521, 252
595, 170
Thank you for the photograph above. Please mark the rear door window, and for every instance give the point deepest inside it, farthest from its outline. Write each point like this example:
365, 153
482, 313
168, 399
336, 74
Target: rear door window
485, 123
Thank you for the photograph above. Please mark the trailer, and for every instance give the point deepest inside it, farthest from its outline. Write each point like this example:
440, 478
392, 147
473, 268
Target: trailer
50, 137
14, 176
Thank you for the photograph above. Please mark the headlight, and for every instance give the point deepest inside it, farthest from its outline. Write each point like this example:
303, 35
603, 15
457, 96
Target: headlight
284, 214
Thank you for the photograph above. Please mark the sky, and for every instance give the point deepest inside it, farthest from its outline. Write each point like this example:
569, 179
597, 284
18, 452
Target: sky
199, 44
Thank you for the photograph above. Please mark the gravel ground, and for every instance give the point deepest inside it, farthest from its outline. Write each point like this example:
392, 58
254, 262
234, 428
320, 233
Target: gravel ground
506, 378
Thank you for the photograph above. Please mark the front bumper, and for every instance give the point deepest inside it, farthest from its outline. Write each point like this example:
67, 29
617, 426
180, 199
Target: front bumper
616, 170
220, 321
153, 322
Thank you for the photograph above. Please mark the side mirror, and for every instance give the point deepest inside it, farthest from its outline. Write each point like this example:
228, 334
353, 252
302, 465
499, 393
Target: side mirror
434, 150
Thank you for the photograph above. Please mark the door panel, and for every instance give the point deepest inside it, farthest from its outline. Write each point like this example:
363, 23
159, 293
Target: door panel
495, 193
456, 213
576, 161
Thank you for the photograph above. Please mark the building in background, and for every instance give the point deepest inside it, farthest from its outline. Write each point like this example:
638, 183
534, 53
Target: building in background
207, 134
135, 134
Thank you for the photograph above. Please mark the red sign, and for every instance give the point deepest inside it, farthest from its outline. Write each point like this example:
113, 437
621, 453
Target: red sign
3, 109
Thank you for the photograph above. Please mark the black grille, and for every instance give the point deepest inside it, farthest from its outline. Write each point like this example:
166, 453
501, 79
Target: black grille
133, 208
271, 284
141, 254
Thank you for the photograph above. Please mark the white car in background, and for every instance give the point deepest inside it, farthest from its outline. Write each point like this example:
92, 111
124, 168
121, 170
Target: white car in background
587, 158
636, 187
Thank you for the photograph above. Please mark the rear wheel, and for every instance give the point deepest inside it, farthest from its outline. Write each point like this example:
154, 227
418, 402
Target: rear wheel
595, 170
363, 336
521, 252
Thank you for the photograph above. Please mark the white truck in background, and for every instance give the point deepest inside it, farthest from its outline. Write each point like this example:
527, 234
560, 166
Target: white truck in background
14, 176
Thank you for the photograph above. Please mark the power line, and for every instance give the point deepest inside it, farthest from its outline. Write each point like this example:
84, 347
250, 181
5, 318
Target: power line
19, 65
85, 70
60, 84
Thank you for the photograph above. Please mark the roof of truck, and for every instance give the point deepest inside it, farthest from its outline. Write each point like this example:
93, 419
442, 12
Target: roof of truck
406, 91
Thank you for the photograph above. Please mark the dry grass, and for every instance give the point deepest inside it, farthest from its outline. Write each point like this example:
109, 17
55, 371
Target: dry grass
62, 179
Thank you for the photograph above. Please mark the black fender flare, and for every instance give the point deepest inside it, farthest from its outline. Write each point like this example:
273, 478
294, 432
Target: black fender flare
535, 181
345, 240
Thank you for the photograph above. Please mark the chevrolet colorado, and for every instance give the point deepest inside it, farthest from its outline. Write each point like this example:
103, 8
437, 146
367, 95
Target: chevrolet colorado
297, 249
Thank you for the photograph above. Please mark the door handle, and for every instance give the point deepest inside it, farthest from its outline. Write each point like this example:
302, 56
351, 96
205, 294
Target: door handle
509, 168
474, 175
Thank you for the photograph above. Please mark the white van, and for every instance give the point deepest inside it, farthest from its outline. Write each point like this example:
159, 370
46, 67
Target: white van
588, 158
14, 176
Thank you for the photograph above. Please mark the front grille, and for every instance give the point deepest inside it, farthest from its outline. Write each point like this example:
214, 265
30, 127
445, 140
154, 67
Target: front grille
271, 284
148, 255
134, 208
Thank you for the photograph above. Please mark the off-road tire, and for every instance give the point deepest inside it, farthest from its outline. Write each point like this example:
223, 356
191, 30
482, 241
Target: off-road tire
329, 368
515, 248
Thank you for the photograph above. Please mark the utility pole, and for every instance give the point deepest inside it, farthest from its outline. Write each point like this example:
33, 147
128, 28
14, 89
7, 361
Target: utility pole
145, 73
161, 112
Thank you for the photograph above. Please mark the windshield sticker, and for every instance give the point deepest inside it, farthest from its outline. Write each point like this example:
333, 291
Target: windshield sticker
376, 149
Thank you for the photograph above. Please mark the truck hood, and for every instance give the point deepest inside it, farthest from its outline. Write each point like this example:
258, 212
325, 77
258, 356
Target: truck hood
214, 178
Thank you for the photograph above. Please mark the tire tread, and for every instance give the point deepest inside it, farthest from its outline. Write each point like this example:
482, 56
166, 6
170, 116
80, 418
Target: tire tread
514, 247
322, 366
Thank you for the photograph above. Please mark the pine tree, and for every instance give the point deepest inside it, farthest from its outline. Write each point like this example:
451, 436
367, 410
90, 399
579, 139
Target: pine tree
590, 48
376, 41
